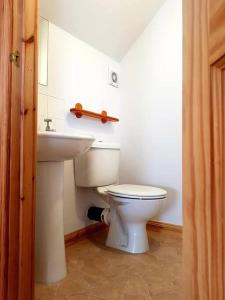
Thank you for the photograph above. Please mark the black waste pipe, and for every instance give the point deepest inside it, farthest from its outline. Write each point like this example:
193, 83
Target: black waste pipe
95, 213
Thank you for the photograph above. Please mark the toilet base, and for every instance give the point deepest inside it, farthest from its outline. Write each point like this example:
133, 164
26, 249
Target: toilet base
128, 218
129, 237
136, 243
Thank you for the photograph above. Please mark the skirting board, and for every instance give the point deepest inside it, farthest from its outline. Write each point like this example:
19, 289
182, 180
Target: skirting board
86, 232
83, 233
166, 226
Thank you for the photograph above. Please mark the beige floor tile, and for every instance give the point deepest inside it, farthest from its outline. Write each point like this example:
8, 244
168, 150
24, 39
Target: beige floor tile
96, 272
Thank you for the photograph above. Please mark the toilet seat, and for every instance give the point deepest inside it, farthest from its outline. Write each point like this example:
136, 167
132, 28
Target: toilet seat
141, 192
103, 190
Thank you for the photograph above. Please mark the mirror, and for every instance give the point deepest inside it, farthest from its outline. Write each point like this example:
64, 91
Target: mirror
43, 52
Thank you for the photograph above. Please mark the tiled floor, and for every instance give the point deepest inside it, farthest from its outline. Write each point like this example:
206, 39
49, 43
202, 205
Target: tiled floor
96, 272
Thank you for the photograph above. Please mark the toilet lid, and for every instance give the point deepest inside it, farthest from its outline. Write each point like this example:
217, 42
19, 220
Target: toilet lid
138, 191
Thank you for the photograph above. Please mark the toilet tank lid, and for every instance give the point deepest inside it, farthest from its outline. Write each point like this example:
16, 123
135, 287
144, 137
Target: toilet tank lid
105, 145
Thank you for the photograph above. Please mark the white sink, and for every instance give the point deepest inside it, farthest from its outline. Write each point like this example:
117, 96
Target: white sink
54, 146
53, 149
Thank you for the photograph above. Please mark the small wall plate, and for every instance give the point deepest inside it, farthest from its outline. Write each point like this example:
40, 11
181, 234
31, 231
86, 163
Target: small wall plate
113, 78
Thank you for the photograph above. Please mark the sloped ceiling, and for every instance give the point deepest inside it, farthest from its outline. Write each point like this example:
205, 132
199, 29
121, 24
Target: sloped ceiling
110, 26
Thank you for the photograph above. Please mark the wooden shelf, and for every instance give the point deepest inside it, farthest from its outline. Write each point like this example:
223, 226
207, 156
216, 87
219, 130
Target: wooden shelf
79, 112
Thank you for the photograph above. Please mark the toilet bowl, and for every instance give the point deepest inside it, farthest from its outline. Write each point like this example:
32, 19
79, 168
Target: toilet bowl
131, 206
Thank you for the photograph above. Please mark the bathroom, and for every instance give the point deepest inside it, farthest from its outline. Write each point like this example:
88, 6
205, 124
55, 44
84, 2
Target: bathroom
112, 149
80, 50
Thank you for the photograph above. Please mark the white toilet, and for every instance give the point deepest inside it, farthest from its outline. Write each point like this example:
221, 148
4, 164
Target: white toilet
131, 206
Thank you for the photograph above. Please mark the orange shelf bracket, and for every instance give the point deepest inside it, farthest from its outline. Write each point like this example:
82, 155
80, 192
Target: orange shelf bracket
79, 112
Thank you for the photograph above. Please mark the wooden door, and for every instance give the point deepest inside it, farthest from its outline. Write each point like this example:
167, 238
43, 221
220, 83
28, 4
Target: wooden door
203, 149
18, 32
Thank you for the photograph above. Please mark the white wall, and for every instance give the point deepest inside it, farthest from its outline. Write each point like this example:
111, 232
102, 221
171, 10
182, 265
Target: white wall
151, 114
148, 104
77, 73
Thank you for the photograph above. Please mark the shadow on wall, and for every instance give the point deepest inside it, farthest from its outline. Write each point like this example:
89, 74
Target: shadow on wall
85, 198
88, 125
77, 201
170, 202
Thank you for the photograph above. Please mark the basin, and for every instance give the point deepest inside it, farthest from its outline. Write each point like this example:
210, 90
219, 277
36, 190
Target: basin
53, 149
55, 146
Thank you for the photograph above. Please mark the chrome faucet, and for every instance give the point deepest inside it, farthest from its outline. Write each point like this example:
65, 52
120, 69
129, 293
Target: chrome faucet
48, 128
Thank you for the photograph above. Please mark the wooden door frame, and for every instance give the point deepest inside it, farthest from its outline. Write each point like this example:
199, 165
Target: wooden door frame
18, 89
204, 149
196, 147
